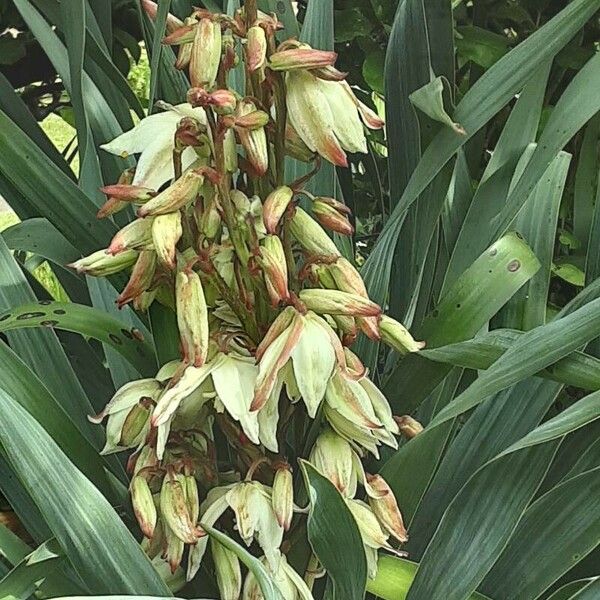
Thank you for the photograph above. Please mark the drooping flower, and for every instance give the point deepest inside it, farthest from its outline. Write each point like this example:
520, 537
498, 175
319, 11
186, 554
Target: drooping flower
291, 586
154, 139
328, 116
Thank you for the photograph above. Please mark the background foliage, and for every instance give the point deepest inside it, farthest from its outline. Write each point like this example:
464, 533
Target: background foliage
482, 235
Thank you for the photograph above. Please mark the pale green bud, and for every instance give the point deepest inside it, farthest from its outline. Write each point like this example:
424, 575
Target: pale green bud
174, 508
395, 335
166, 232
336, 302
177, 195
137, 235
206, 53
275, 206
333, 456
283, 496
311, 236
192, 317
274, 266
102, 264
143, 505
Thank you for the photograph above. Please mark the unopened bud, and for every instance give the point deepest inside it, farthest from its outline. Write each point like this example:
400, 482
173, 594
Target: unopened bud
227, 570
408, 426
136, 235
184, 56
136, 423
335, 302
120, 195
143, 302
252, 120
206, 53
275, 205
192, 500
311, 235
395, 335
301, 58
332, 455
370, 530
283, 496
192, 317
256, 48
189, 132
143, 505
208, 219
223, 102
173, 548
166, 232
332, 218
140, 279
254, 141
383, 504
102, 264
274, 266
177, 195
183, 35
174, 508
230, 151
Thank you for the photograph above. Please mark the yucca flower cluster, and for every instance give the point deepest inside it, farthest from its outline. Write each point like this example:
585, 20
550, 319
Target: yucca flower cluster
267, 307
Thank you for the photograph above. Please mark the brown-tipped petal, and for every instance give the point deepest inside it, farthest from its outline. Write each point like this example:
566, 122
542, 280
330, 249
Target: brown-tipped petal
274, 359
370, 327
128, 193
336, 302
192, 317
311, 236
184, 55
331, 218
279, 325
206, 53
301, 58
182, 35
174, 509
166, 232
140, 279
274, 266
283, 497
329, 74
386, 508
143, 505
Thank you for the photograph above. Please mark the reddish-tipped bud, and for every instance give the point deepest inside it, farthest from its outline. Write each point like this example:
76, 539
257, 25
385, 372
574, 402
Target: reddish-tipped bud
254, 140
140, 279
331, 218
182, 35
143, 505
283, 496
128, 193
274, 266
275, 205
256, 48
395, 335
335, 302
192, 317
151, 8
166, 232
311, 236
102, 264
301, 58
137, 235
206, 53
189, 132
180, 193
408, 426
253, 120
174, 509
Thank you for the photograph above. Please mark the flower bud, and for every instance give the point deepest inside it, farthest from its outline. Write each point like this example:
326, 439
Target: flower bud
166, 232
283, 496
192, 500
121, 194
252, 120
408, 426
136, 235
384, 506
223, 102
140, 279
192, 317
136, 423
256, 48
275, 205
395, 335
174, 509
274, 266
206, 54
311, 235
332, 456
184, 55
227, 570
335, 302
143, 302
143, 505
331, 218
371, 532
189, 132
102, 264
178, 194
230, 151
301, 58
254, 141
173, 548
